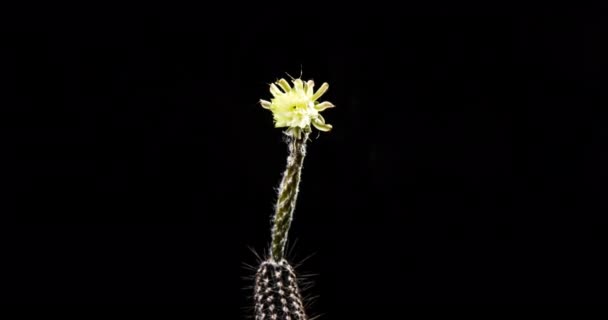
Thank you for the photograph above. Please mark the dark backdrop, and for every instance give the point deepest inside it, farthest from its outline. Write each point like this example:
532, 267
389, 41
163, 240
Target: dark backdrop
467, 162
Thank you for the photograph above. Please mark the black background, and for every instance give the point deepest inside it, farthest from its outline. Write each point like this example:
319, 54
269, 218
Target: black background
467, 162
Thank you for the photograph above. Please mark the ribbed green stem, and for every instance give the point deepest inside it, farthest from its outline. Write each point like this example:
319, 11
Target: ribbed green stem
276, 293
288, 194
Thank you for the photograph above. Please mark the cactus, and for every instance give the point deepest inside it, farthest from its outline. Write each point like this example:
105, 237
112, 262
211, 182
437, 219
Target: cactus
276, 292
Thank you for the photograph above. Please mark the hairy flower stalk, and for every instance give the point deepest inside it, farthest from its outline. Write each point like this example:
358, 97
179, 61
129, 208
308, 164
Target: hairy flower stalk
288, 194
277, 295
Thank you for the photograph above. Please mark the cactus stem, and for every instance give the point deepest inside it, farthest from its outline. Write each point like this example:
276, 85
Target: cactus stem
288, 194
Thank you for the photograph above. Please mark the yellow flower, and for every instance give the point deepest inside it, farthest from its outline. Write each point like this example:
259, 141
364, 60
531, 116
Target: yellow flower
297, 107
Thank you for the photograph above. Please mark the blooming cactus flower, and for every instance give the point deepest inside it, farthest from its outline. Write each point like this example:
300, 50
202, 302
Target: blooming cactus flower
296, 108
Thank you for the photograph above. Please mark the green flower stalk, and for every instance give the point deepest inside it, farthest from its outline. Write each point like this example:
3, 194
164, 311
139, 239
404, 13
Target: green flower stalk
288, 194
296, 108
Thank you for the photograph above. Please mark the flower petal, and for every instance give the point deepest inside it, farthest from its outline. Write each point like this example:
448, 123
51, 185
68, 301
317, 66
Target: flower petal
321, 91
309, 87
275, 90
320, 124
284, 85
265, 104
298, 85
324, 105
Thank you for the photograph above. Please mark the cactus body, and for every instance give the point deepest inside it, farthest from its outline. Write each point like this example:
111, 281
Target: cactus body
277, 294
